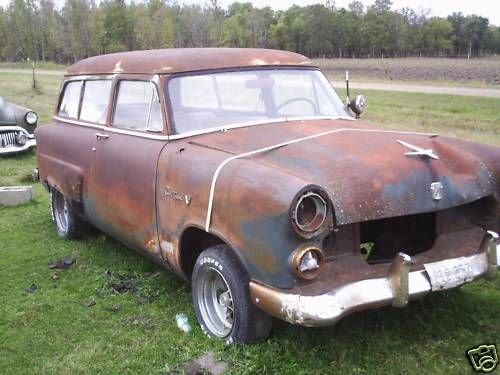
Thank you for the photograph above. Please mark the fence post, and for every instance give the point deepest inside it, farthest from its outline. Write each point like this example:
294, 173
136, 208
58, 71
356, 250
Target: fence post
34, 79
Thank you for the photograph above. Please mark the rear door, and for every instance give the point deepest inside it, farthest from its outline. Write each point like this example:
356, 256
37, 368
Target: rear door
124, 164
65, 150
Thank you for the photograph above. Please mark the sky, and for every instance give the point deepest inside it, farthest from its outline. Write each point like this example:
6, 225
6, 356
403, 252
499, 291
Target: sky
486, 8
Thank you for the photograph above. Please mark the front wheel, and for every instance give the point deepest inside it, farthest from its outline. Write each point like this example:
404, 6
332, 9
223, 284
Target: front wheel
222, 299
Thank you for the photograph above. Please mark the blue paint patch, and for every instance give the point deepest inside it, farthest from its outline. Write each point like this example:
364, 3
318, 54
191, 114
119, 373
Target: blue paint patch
269, 239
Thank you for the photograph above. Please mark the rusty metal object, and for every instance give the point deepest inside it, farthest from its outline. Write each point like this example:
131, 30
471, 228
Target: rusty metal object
169, 61
172, 195
297, 257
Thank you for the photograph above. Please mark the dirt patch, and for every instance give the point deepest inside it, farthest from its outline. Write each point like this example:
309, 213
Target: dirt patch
62, 264
207, 364
488, 92
483, 70
143, 287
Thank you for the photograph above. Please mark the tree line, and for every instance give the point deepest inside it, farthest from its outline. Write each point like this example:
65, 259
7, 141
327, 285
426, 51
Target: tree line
38, 30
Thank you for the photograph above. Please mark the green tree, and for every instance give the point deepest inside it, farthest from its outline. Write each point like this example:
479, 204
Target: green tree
436, 36
97, 31
22, 40
50, 41
119, 26
476, 29
76, 14
459, 34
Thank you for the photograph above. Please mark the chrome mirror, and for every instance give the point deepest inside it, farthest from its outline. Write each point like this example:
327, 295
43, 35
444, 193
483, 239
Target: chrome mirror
357, 105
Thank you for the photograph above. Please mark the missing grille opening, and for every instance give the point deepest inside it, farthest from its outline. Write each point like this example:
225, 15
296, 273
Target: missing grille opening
382, 239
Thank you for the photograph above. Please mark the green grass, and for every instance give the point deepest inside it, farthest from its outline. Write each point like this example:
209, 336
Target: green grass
46, 65
473, 118
52, 331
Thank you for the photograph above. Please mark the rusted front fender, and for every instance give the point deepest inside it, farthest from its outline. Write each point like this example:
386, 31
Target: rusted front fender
250, 211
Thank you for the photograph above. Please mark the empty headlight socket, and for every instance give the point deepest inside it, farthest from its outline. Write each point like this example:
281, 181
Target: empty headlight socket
320, 212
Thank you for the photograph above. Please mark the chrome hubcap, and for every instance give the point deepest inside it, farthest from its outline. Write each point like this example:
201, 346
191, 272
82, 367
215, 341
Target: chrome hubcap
215, 302
61, 211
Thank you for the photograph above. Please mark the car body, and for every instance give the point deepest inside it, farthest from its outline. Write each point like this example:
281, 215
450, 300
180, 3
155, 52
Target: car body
242, 170
17, 126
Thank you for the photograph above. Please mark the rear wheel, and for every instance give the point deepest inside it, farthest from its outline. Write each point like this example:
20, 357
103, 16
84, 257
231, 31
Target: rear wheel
66, 220
222, 299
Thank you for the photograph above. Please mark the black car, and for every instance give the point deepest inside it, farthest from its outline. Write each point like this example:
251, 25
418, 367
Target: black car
17, 125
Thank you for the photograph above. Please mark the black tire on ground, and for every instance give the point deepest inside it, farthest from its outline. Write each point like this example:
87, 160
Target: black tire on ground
221, 298
67, 223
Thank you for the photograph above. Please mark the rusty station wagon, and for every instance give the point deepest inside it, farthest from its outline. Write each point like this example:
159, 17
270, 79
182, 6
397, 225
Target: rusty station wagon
243, 171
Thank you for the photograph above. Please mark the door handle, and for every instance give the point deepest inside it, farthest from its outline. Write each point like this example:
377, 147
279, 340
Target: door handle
101, 136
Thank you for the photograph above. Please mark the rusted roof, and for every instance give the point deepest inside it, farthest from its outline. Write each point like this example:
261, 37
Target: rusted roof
184, 60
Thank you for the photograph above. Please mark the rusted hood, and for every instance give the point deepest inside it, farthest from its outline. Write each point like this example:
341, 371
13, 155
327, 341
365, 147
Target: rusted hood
363, 168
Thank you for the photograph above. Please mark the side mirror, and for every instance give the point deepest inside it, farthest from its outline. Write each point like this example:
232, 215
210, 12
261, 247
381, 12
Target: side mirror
357, 105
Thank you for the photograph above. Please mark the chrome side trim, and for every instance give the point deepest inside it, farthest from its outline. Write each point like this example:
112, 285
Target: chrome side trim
283, 144
221, 129
328, 308
225, 128
111, 129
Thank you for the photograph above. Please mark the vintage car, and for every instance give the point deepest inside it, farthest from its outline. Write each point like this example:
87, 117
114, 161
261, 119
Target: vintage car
243, 171
17, 125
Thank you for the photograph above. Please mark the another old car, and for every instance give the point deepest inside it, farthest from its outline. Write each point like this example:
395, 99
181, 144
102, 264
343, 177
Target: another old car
243, 171
17, 125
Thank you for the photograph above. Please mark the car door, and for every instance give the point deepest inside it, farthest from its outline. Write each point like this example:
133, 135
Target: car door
64, 152
124, 164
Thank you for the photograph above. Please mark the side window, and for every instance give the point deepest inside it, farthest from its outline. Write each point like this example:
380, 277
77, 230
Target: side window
70, 100
137, 107
95, 101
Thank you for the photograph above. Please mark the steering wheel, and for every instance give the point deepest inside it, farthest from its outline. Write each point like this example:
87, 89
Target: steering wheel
289, 101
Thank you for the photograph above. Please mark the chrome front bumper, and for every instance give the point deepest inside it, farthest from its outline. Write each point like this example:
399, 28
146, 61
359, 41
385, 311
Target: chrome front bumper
397, 288
15, 148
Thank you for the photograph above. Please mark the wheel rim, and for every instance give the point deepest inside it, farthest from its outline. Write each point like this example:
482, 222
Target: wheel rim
61, 211
215, 302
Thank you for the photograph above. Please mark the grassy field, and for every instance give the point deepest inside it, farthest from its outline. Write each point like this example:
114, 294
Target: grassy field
49, 329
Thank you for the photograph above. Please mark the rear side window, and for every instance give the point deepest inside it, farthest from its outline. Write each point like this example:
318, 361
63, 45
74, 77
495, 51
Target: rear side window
70, 100
95, 101
138, 107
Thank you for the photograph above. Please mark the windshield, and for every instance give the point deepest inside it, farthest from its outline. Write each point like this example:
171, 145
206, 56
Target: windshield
214, 100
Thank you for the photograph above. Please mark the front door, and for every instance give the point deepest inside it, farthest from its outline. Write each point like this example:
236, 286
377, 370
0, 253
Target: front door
124, 167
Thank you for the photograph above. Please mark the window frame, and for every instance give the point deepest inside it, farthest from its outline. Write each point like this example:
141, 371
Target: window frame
84, 79
116, 88
172, 131
61, 97
82, 94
